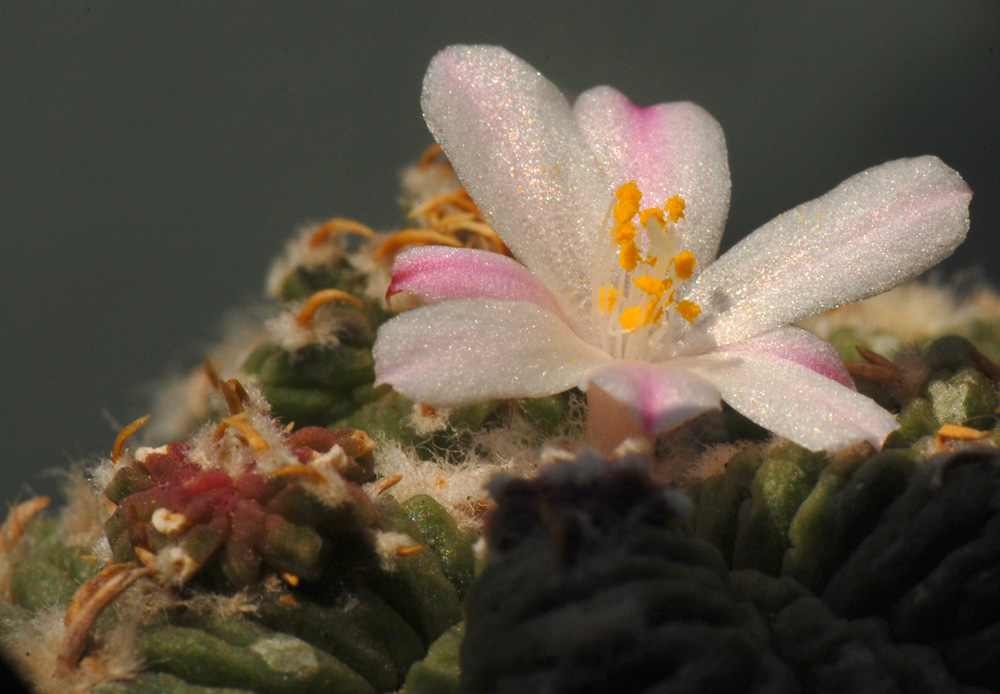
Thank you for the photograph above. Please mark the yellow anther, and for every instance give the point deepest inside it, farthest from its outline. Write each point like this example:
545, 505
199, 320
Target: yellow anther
688, 310
675, 208
608, 297
625, 232
651, 212
628, 202
630, 318
628, 258
684, 263
651, 285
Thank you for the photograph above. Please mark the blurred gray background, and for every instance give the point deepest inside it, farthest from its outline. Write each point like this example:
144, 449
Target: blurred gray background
156, 156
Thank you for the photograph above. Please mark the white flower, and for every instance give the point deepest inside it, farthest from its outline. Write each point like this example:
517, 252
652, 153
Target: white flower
615, 213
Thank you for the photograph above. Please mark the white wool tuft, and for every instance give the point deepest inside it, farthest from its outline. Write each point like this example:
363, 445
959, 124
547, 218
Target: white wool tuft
427, 420
82, 520
390, 546
286, 330
459, 485
175, 565
35, 641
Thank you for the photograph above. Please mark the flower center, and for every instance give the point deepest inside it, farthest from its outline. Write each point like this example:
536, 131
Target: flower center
633, 289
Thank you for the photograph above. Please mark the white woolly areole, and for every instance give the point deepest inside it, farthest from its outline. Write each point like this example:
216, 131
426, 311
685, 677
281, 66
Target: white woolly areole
427, 420
335, 249
286, 330
388, 546
459, 485
168, 522
232, 452
175, 565
101, 474
34, 643
300, 253
332, 491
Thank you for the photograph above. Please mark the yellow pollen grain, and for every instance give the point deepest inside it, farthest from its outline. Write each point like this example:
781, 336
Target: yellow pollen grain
630, 318
675, 208
688, 310
684, 263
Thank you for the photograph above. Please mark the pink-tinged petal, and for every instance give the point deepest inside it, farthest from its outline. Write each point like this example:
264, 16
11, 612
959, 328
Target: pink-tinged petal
794, 401
513, 140
668, 149
469, 350
659, 396
871, 233
439, 273
799, 346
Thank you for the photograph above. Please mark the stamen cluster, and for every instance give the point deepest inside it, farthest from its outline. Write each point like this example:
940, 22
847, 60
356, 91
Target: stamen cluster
637, 297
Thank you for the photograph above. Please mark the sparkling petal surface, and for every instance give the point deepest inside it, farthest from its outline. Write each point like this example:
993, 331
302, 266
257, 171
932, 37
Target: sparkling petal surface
873, 232
513, 140
439, 273
667, 149
801, 347
659, 396
793, 400
469, 350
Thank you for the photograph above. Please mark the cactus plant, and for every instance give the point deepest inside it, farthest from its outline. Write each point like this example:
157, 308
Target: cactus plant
264, 566
308, 528
594, 582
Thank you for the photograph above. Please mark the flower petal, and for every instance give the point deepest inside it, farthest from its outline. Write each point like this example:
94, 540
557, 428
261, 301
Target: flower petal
659, 396
468, 350
873, 232
801, 347
513, 140
667, 149
438, 273
793, 401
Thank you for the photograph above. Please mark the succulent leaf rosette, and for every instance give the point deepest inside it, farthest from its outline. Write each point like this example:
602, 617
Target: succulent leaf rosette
614, 214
